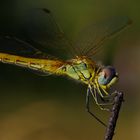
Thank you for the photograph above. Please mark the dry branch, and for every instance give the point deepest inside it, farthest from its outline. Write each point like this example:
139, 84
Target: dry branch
114, 116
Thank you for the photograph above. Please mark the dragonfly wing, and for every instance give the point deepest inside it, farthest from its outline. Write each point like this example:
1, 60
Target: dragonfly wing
92, 37
15, 46
41, 29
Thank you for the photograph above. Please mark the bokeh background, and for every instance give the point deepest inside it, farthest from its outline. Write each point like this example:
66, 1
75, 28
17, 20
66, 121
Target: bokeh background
50, 108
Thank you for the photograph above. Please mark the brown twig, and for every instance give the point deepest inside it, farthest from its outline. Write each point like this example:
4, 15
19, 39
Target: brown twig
114, 116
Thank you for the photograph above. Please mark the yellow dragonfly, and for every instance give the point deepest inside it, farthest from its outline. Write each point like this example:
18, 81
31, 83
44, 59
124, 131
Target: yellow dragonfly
43, 43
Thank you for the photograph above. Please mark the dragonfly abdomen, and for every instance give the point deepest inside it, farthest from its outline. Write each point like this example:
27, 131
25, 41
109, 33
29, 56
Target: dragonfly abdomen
44, 65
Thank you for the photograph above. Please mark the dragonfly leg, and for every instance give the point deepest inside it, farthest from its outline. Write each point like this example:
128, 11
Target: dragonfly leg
105, 100
87, 100
108, 99
94, 95
88, 108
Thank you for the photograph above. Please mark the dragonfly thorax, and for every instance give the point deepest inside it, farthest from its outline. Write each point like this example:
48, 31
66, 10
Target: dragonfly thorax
81, 69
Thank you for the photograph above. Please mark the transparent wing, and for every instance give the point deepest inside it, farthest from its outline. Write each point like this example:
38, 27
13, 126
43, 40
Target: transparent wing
43, 32
92, 37
15, 46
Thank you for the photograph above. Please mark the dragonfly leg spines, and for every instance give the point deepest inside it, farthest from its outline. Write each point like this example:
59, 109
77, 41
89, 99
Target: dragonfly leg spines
88, 107
94, 93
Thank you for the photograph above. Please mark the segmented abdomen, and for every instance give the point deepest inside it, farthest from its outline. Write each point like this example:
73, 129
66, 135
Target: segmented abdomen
45, 65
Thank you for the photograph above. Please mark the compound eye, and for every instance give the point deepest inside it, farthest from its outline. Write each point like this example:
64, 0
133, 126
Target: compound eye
106, 75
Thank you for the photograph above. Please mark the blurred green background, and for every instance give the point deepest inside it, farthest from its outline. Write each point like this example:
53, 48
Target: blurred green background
50, 108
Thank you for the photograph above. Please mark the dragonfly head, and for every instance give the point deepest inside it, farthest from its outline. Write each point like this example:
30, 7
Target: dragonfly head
107, 76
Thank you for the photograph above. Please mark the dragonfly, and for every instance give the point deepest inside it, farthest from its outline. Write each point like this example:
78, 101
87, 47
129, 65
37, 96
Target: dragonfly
47, 51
